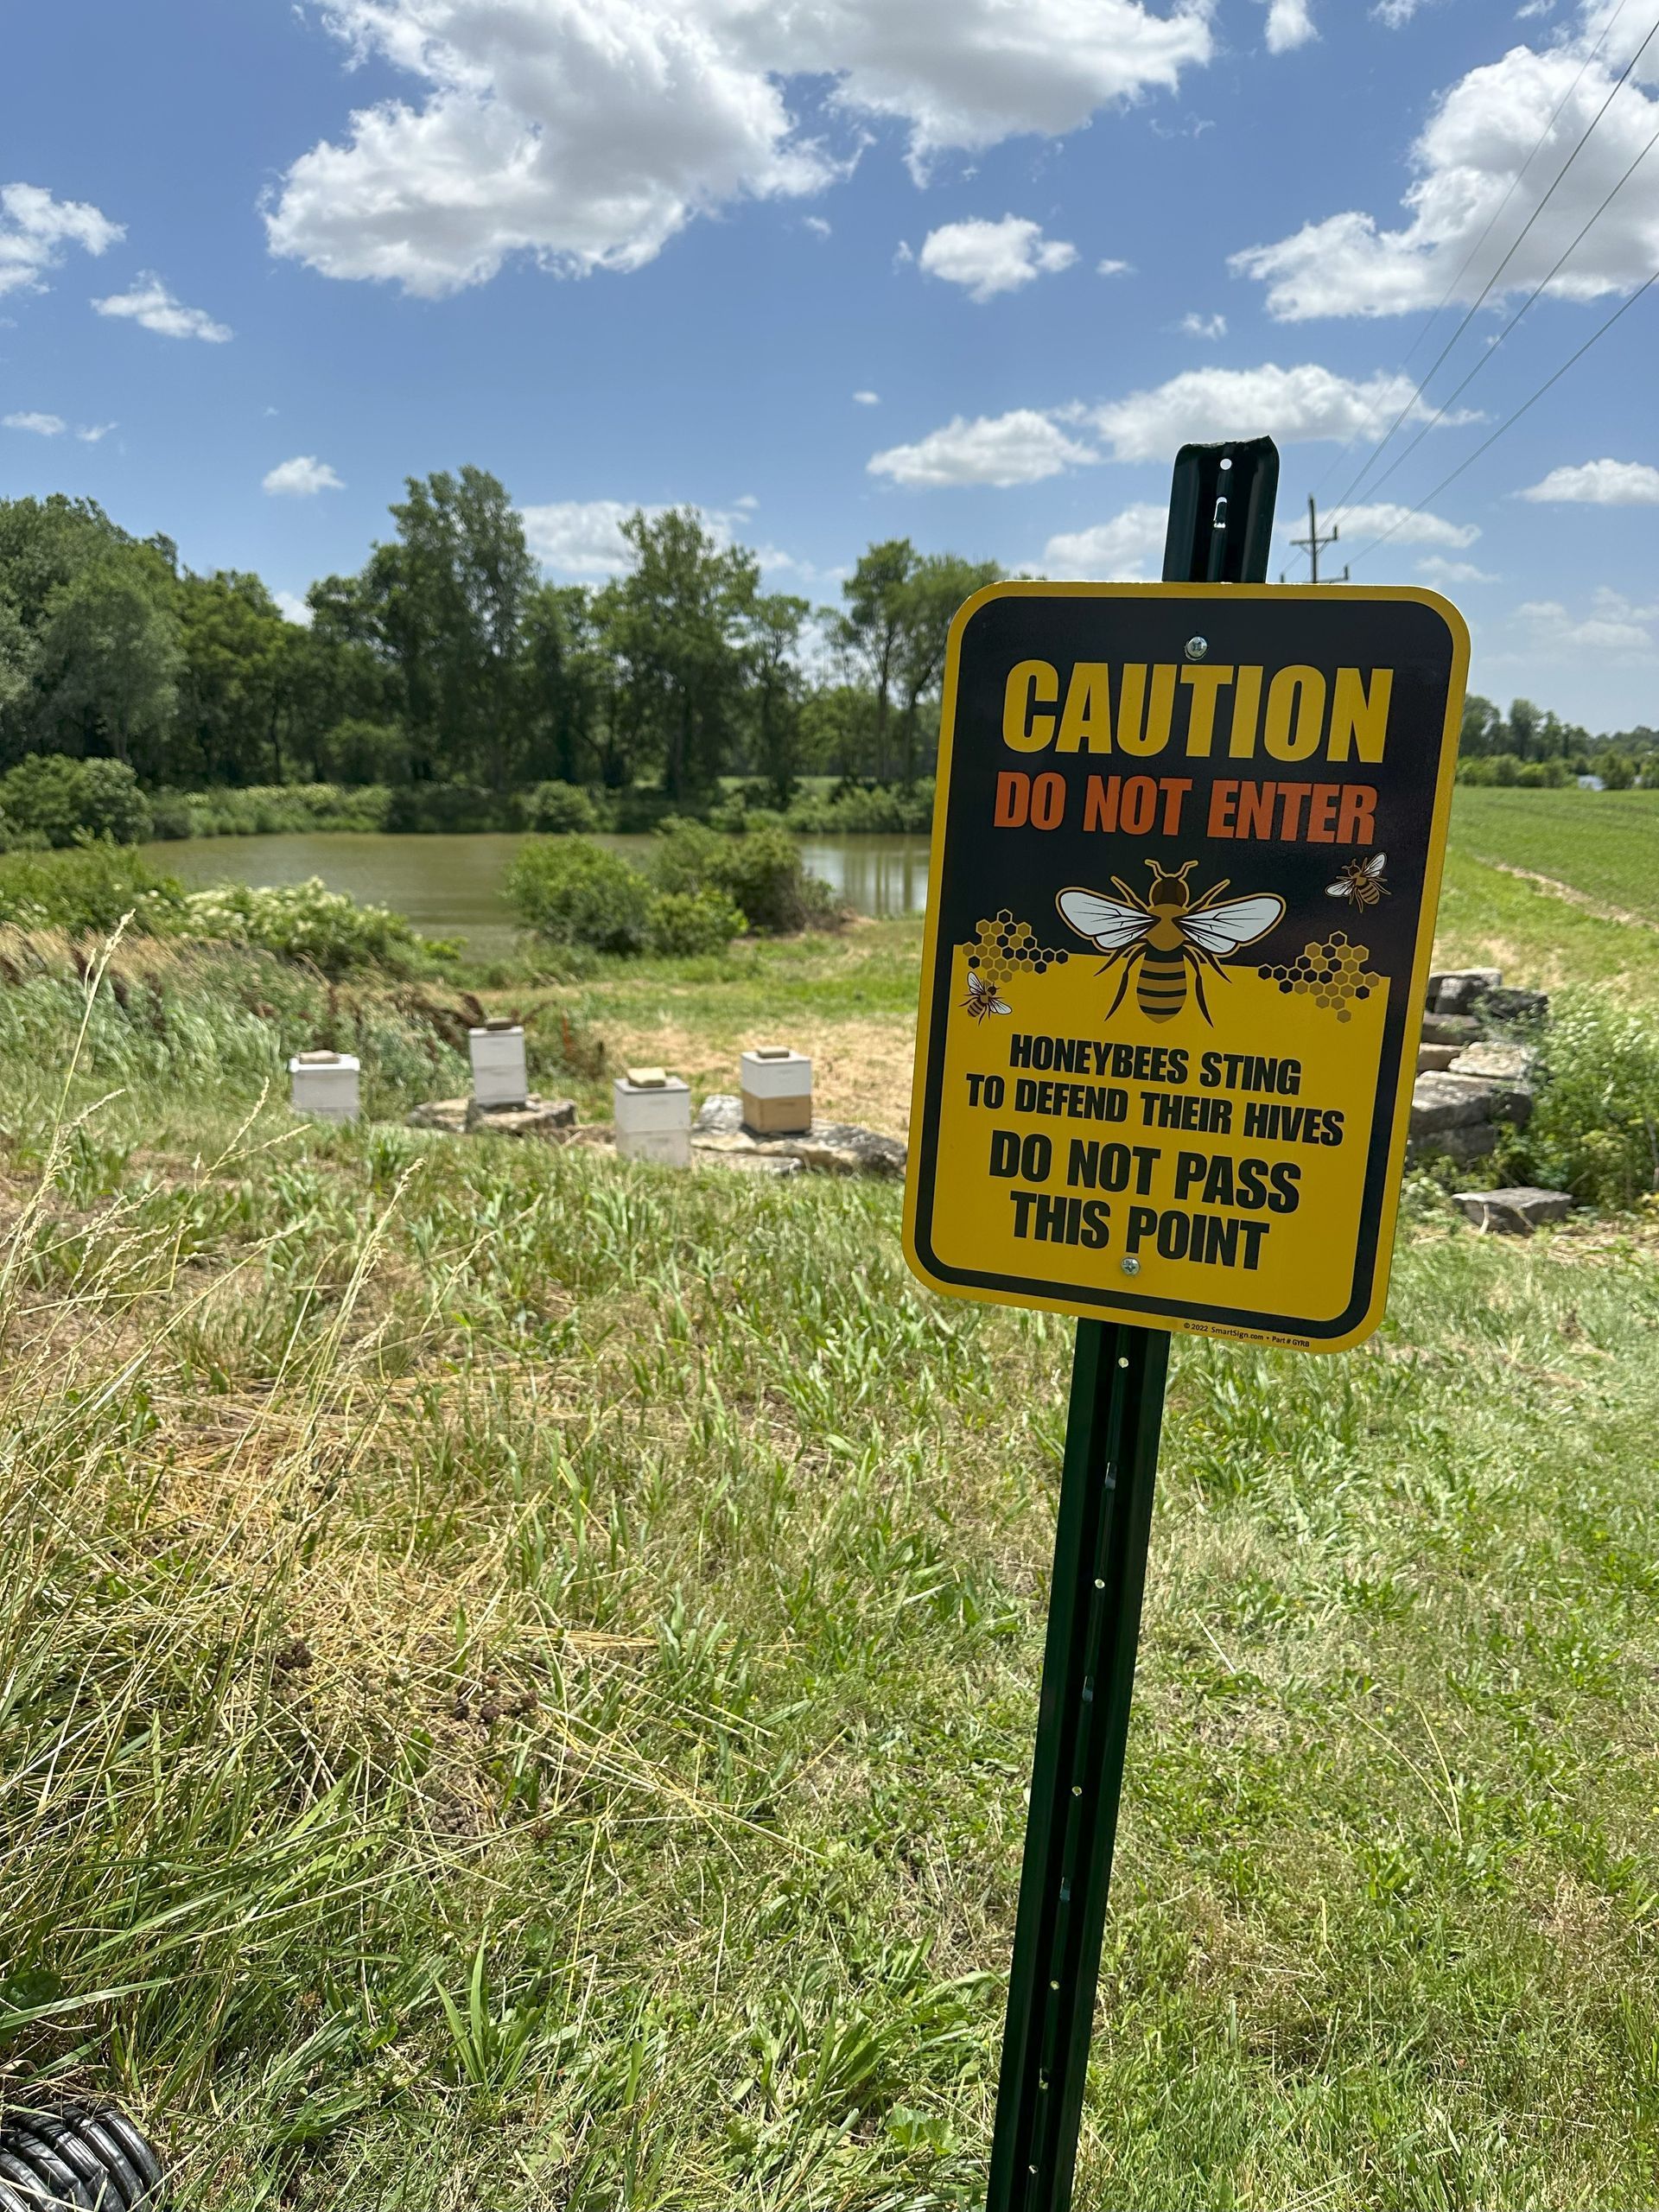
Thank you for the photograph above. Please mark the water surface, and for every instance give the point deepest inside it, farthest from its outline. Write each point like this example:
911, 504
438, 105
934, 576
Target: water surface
451, 885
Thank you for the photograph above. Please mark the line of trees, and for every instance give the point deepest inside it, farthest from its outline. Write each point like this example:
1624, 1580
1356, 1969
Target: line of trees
448, 658
448, 661
1530, 745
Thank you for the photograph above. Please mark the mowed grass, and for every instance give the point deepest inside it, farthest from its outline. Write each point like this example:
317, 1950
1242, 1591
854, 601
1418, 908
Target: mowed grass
1602, 844
518, 1672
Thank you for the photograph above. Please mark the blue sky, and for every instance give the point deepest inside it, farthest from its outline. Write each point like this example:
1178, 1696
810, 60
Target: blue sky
260, 261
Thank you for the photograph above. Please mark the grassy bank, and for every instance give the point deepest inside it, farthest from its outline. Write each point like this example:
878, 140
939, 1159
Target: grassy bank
517, 1673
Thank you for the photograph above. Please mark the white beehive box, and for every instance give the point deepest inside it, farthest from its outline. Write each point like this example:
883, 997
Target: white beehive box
777, 1092
324, 1083
653, 1117
498, 1074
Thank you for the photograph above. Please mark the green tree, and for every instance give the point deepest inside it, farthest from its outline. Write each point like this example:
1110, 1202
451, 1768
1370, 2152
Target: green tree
109, 663
1483, 732
228, 727
927, 602
775, 626
567, 683
677, 624
869, 632
16, 658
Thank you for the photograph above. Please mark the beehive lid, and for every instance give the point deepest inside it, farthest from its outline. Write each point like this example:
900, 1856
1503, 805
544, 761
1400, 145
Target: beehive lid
317, 1059
648, 1078
773, 1052
500, 1022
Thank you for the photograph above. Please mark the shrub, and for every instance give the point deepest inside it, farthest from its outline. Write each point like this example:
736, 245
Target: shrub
307, 921
562, 810
759, 870
573, 892
889, 810
690, 923
90, 888
458, 809
1595, 1124
57, 800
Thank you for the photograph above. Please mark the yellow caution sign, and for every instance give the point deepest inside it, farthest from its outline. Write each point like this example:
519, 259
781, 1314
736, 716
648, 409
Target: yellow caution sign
1186, 855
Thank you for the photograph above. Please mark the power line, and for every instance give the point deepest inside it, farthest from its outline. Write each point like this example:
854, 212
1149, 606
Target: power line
1377, 452
1353, 437
1536, 290
1509, 421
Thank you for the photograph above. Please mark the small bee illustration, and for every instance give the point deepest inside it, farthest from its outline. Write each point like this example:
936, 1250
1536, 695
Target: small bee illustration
982, 1000
1166, 933
1362, 881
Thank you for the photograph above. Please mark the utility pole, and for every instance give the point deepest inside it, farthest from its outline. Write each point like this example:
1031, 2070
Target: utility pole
1313, 545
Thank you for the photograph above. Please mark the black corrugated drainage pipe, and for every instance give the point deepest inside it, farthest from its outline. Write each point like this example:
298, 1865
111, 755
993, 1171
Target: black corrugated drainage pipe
77, 2158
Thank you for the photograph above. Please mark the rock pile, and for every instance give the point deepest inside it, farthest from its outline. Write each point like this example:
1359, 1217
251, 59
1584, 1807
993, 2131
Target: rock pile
834, 1147
554, 1118
718, 1136
1471, 1083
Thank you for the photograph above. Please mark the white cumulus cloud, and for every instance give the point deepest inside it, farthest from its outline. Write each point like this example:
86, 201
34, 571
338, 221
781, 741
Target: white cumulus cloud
35, 229
581, 538
586, 133
986, 257
1289, 25
1203, 325
868, 398
94, 433
1615, 625
152, 306
1119, 551
1434, 569
30, 418
1402, 525
292, 608
1109, 268
300, 478
1022, 447
1600, 484
1476, 166
1306, 401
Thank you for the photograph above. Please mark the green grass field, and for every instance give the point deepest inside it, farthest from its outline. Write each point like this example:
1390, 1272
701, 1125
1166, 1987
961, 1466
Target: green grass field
518, 1672
1604, 845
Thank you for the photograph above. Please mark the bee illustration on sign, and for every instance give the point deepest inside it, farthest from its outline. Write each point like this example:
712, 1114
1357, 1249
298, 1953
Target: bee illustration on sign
1362, 881
1167, 933
982, 1000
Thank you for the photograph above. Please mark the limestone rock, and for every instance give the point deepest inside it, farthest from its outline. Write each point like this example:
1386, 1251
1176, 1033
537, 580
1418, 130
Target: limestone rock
1456, 990
1451, 1029
1450, 1102
834, 1147
1472, 1141
1433, 1059
1509, 1064
446, 1114
1515, 1212
537, 1117
1510, 1007
747, 1163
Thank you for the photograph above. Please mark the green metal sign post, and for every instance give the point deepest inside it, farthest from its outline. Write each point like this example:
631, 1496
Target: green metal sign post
1220, 528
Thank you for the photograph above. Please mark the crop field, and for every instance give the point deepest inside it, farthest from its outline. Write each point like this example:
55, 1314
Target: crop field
518, 1672
1604, 845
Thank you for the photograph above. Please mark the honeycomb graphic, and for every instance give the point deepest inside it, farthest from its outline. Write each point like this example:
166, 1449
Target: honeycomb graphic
1001, 949
1333, 974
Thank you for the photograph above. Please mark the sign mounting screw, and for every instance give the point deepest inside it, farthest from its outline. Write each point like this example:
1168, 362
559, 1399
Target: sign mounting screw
1131, 1267
1197, 648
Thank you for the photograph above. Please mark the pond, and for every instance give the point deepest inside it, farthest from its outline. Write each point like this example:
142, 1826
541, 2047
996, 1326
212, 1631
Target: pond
451, 886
